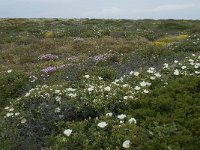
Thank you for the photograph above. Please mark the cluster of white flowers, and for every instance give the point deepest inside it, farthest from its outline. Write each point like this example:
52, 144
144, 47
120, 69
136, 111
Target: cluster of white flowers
91, 88
135, 73
143, 84
151, 70
106, 91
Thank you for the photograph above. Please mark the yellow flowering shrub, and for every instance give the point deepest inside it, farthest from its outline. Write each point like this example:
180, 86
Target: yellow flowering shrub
169, 39
48, 34
159, 44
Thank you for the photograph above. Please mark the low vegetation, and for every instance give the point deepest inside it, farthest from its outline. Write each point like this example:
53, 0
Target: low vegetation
99, 84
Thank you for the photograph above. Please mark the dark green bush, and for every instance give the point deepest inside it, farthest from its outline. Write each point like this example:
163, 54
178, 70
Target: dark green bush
106, 73
175, 108
12, 85
173, 25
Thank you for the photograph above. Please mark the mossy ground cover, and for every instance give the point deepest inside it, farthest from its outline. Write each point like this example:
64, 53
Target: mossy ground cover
99, 84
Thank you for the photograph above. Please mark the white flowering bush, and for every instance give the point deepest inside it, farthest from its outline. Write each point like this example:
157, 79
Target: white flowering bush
98, 113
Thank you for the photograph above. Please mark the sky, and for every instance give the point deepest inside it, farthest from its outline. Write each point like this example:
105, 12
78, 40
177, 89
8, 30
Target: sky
108, 9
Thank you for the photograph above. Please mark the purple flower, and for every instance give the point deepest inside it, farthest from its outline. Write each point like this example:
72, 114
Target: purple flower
103, 57
48, 57
51, 69
48, 70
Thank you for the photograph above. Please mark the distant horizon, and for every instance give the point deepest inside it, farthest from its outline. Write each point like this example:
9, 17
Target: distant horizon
102, 18
101, 9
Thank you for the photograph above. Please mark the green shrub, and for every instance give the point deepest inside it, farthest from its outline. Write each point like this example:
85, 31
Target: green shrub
175, 109
12, 85
173, 25
107, 74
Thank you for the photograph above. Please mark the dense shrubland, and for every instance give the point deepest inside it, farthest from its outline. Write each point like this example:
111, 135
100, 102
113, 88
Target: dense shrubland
99, 84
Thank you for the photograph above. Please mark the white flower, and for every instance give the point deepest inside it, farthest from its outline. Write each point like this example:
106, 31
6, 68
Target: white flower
137, 88
125, 97
132, 120
9, 114
57, 91
148, 84
114, 83
176, 72
143, 83
86, 76
136, 74
72, 95
100, 78
183, 67
131, 72
102, 124
197, 72
109, 114
146, 91
191, 60
67, 132
151, 68
150, 71
165, 65
71, 90
90, 89
122, 116
192, 63
27, 94
6, 108
196, 66
152, 77
23, 121
107, 88
121, 121
9, 71
57, 110
11, 109
157, 75
126, 144
125, 85
116, 80
17, 114
175, 61
58, 98
131, 97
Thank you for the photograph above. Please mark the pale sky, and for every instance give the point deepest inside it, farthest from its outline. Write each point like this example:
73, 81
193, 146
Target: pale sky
116, 9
